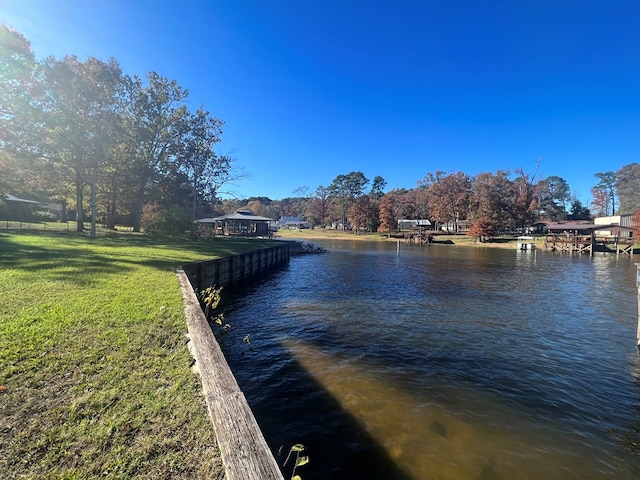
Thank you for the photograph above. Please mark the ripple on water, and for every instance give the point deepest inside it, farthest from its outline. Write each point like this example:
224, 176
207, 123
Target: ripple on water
443, 364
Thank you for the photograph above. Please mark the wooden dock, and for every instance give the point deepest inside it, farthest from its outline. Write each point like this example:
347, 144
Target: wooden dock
589, 244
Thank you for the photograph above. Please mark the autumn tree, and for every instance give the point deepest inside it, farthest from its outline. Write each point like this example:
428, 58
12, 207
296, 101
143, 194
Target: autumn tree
388, 211
600, 202
524, 209
492, 199
414, 204
448, 198
363, 214
319, 206
482, 228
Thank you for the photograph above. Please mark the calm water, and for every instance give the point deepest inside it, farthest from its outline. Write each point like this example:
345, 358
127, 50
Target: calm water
443, 362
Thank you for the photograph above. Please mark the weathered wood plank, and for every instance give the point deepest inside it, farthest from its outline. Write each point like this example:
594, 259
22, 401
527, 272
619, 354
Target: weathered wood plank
244, 451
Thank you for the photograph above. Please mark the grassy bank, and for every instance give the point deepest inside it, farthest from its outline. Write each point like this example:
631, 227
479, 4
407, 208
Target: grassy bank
94, 371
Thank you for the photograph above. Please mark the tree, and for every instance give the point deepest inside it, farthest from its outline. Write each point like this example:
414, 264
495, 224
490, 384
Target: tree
302, 200
552, 195
157, 122
481, 229
600, 202
449, 198
578, 211
205, 170
17, 132
414, 203
377, 187
524, 210
607, 184
388, 212
17, 64
635, 221
628, 187
76, 109
319, 207
344, 189
363, 214
431, 178
492, 199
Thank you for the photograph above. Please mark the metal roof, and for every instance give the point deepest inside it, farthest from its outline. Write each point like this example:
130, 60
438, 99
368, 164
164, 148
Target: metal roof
561, 226
239, 215
11, 198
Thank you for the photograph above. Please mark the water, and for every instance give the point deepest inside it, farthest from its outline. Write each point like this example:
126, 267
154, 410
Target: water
443, 362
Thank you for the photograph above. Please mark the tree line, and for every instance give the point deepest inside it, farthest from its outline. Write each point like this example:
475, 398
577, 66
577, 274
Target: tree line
122, 149
91, 137
487, 203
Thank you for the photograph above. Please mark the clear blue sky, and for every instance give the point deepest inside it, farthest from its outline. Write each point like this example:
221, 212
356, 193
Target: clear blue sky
312, 89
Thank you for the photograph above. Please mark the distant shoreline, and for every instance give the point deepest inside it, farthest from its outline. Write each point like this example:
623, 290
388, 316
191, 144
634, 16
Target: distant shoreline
329, 234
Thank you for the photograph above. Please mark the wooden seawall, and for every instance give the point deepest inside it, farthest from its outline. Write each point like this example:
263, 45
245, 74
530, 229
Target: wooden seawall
245, 453
226, 271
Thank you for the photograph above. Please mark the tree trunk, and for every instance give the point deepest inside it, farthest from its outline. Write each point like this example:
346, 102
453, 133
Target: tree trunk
111, 214
194, 201
94, 207
137, 214
79, 201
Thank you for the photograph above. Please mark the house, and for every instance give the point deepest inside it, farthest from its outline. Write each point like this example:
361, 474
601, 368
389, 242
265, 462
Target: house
619, 225
242, 223
15, 208
415, 224
293, 223
456, 227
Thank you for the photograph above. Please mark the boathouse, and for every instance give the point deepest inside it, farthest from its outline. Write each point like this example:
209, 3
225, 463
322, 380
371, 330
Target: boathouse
242, 223
587, 237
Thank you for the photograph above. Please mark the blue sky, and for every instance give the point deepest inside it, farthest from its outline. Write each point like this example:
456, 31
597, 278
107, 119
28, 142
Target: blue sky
311, 89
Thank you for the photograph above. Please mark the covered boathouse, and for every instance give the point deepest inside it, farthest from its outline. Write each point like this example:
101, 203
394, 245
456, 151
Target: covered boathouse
582, 237
242, 223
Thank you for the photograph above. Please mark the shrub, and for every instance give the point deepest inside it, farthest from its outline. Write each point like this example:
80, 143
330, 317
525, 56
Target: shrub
172, 222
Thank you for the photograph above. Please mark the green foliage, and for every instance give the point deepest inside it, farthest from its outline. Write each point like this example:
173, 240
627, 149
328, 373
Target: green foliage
299, 460
211, 298
172, 222
628, 187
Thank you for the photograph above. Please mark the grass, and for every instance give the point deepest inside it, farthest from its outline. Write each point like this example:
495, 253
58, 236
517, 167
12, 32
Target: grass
94, 370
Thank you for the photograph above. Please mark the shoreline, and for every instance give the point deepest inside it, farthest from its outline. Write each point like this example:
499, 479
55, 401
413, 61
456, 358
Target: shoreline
457, 240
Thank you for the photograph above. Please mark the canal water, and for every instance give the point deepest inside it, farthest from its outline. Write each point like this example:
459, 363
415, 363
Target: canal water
442, 362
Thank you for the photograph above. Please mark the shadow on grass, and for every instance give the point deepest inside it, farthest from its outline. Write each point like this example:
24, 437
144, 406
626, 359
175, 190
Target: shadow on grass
79, 259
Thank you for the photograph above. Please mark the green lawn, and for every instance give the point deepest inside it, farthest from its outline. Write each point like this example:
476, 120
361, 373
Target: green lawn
94, 370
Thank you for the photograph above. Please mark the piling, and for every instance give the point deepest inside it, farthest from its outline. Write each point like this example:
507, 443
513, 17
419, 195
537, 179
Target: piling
638, 287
